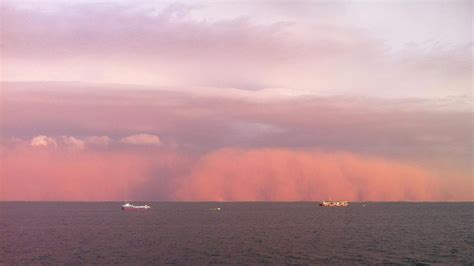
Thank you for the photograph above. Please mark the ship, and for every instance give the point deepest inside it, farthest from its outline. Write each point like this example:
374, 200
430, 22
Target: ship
129, 207
326, 203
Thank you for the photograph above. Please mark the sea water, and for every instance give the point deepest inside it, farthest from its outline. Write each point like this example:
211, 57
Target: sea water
238, 233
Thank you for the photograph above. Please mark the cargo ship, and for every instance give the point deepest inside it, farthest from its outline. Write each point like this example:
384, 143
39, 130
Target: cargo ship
129, 207
326, 203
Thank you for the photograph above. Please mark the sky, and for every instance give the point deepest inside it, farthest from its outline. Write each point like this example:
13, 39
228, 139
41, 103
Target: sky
236, 100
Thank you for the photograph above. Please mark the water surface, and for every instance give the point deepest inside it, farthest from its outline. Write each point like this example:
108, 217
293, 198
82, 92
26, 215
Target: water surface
242, 233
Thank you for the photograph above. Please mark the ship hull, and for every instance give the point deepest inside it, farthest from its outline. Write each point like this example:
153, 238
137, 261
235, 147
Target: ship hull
130, 207
133, 209
334, 204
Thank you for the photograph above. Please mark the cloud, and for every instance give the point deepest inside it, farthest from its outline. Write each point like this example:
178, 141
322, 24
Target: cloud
137, 44
64, 174
394, 130
28, 173
73, 143
68, 142
206, 123
261, 83
292, 175
142, 140
43, 141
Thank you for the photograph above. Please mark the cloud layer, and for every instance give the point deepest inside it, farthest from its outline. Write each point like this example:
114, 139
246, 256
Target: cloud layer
59, 173
71, 142
247, 101
289, 175
166, 46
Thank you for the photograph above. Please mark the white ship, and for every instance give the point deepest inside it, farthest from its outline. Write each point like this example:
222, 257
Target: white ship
129, 207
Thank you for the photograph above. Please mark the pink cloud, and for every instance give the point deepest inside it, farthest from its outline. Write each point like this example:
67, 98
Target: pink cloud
282, 175
73, 143
229, 90
374, 133
28, 173
43, 141
64, 174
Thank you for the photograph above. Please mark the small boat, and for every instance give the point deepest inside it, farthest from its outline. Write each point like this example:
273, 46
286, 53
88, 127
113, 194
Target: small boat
129, 207
326, 203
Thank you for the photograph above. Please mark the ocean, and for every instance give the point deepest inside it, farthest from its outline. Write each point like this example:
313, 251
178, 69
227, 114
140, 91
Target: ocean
240, 233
